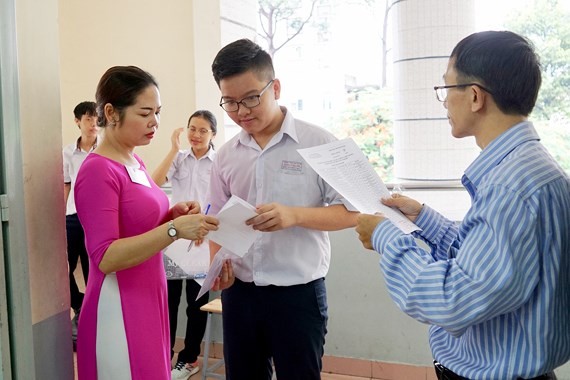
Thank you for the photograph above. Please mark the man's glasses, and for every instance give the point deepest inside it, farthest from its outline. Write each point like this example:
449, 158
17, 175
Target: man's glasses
441, 91
248, 102
201, 131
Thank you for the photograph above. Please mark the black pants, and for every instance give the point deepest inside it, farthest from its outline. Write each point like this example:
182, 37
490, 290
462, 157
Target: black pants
283, 324
444, 373
195, 318
76, 251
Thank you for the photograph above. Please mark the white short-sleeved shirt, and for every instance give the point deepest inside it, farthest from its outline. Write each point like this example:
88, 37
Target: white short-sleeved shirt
279, 174
73, 157
190, 177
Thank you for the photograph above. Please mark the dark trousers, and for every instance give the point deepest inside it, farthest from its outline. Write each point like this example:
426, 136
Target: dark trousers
76, 251
444, 373
195, 321
286, 324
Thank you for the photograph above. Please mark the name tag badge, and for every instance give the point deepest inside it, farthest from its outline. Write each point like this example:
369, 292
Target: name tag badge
291, 167
138, 176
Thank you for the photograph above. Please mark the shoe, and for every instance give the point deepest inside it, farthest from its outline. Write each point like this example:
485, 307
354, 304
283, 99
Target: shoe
183, 371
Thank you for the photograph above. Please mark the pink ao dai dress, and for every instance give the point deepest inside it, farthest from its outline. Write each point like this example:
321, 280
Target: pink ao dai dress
123, 328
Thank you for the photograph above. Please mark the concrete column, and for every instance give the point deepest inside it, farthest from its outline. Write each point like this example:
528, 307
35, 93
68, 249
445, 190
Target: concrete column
425, 32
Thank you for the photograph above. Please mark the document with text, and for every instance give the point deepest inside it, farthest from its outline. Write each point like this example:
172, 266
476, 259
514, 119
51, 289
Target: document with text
343, 165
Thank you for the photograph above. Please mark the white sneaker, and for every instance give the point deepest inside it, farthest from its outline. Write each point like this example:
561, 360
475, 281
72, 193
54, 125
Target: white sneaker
182, 371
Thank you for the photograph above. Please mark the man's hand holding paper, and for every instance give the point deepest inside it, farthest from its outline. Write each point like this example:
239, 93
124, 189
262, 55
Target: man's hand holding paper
272, 217
343, 165
233, 233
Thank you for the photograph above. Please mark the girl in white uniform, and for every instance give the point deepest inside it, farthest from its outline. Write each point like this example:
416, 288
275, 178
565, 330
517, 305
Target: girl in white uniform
189, 173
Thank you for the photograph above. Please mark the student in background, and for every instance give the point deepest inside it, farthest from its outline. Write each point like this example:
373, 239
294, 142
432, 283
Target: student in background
495, 288
73, 156
276, 306
123, 328
189, 173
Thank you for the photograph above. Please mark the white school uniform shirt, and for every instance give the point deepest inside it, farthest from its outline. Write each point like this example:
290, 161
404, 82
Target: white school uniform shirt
279, 174
190, 177
73, 157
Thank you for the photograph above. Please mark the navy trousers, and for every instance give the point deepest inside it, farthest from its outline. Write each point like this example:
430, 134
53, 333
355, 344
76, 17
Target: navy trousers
285, 325
76, 251
195, 318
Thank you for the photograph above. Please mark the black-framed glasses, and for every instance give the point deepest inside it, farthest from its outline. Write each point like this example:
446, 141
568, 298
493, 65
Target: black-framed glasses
441, 91
248, 102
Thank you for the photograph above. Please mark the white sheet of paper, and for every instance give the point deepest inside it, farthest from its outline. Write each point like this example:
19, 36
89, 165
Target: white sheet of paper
343, 165
179, 263
215, 269
233, 234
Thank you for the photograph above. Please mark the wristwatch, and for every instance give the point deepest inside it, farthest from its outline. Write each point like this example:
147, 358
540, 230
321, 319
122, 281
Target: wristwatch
172, 232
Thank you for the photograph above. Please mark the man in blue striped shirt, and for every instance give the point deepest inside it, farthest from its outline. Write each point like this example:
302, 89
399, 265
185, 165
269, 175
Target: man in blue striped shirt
495, 288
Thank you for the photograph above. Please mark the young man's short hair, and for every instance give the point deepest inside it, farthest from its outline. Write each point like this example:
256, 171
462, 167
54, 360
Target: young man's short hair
85, 108
241, 56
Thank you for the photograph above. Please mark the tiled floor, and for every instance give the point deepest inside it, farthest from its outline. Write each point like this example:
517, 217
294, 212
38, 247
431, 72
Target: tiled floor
324, 376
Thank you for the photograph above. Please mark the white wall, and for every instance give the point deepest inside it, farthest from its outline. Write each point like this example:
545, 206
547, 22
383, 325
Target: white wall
175, 41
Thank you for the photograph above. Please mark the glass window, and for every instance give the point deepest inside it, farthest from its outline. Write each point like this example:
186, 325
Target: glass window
375, 84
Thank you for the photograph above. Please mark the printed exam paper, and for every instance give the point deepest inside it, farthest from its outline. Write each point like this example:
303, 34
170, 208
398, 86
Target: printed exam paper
343, 165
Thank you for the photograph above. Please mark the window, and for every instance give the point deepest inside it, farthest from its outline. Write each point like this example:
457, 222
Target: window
382, 96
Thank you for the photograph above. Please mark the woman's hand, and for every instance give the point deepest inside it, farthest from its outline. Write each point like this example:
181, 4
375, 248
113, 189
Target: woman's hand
175, 139
185, 208
196, 226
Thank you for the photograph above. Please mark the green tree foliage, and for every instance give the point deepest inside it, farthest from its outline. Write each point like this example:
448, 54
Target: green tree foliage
547, 24
367, 120
555, 135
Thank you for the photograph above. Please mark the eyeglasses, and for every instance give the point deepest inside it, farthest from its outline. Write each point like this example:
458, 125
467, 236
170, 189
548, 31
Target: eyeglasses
441, 91
202, 131
248, 102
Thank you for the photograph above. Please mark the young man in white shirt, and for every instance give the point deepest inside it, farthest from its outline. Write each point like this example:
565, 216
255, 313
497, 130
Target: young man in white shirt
275, 307
73, 156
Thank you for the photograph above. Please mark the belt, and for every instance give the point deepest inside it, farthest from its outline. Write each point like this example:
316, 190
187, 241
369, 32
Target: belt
444, 373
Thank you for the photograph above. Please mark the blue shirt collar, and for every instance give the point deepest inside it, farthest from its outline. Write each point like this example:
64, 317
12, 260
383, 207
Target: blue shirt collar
496, 151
